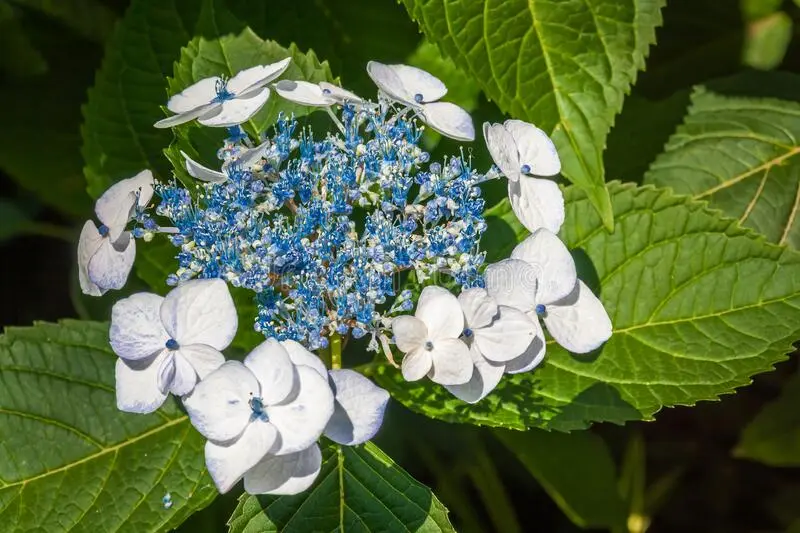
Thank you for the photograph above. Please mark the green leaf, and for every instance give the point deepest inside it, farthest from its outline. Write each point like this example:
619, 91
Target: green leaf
70, 460
229, 54
576, 470
698, 304
13, 220
773, 436
89, 18
741, 155
565, 66
767, 41
358, 489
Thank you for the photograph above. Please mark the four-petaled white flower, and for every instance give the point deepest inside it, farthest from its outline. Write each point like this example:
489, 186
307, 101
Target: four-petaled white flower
223, 103
262, 419
430, 339
420, 91
248, 159
540, 279
166, 344
321, 94
498, 335
521, 150
106, 254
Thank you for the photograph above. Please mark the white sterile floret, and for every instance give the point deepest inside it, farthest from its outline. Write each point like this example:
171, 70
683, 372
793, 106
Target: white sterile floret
521, 150
224, 103
166, 344
498, 335
430, 339
262, 419
244, 160
321, 94
540, 279
106, 254
420, 91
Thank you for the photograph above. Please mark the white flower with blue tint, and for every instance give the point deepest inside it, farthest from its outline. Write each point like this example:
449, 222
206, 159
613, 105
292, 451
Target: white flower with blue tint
218, 102
521, 151
244, 160
262, 419
497, 335
167, 344
430, 339
540, 279
106, 254
321, 94
419, 91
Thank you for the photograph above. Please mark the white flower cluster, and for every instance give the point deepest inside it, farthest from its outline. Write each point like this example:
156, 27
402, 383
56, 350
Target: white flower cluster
262, 417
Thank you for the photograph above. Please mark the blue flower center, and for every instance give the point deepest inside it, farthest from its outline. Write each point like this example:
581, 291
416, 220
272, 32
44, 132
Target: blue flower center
525, 169
467, 332
172, 344
418, 98
223, 93
103, 230
540, 309
429, 346
326, 91
257, 406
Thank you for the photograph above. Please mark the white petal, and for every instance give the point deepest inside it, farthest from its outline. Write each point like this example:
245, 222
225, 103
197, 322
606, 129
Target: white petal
206, 111
512, 282
114, 206
479, 308
537, 203
203, 358
409, 333
181, 376
533, 354
303, 93
535, 148
416, 364
136, 331
200, 311
228, 462
253, 78
404, 82
248, 158
358, 409
301, 419
88, 244
137, 384
110, 265
340, 95
270, 364
452, 364
507, 337
485, 377
449, 120
556, 274
238, 110
578, 322
284, 474
219, 405
439, 309
300, 356
194, 96
196, 170
503, 150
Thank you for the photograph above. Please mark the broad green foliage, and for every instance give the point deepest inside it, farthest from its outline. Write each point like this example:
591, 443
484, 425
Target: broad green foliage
575, 469
741, 155
358, 489
773, 437
698, 306
229, 54
563, 65
70, 460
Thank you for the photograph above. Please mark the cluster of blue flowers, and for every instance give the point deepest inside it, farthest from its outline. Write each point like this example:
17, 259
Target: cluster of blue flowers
320, 229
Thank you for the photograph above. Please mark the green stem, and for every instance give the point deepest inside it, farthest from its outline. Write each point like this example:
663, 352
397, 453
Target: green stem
336, 350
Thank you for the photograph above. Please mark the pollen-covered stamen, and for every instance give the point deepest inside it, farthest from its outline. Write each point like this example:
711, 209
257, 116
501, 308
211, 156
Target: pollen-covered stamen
541, 309
223, 93
525, 169
172, 344
418, 98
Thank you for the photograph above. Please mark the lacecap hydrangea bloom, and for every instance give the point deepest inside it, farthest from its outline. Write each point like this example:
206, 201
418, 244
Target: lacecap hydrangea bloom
321, 229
